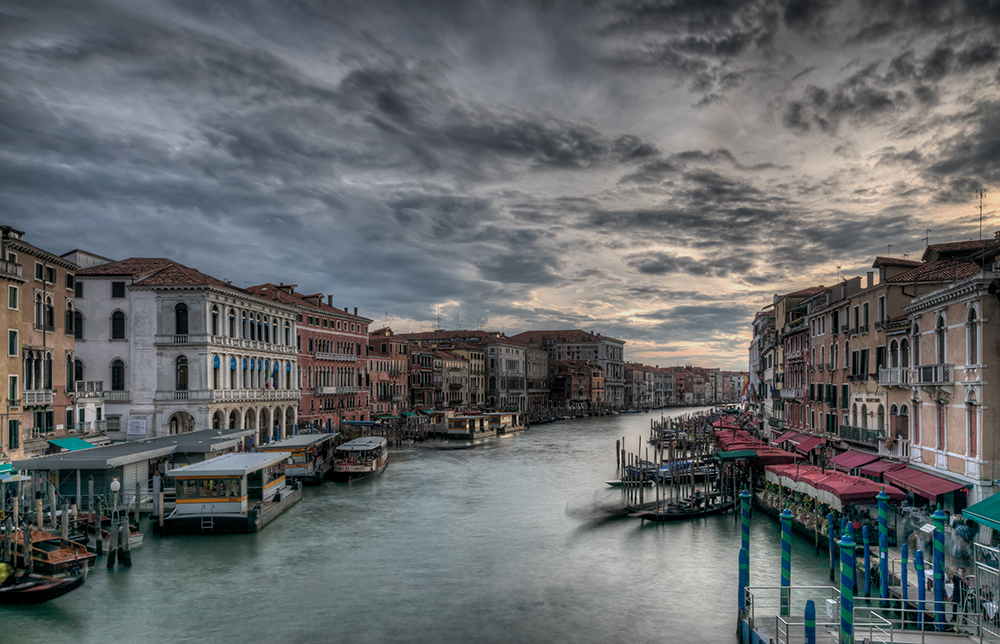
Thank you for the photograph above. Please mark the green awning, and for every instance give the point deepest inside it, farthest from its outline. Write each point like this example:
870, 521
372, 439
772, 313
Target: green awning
986, 512
408, 413
6, 467
736, 455
70, 444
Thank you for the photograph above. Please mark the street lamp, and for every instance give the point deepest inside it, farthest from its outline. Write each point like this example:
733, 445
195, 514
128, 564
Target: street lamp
115, 486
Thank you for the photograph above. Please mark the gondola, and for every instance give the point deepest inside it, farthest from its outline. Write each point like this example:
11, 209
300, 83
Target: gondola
36, 589
680, 513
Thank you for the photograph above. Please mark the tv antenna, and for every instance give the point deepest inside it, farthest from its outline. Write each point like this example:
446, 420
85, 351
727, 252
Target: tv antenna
981, 193
889, 251
927, 238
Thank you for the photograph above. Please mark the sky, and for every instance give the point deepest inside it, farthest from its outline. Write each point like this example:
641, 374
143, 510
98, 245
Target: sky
653, 171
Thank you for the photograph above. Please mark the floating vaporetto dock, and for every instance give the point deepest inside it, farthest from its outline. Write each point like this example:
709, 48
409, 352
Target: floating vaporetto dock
312, 456
238, 492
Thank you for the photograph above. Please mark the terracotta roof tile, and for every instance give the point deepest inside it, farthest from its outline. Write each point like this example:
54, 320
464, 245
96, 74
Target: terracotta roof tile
894, 261
937, 271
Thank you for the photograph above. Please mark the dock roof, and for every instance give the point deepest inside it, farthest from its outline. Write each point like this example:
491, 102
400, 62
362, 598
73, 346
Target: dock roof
362, 444
298, 440
234, 463
204, 441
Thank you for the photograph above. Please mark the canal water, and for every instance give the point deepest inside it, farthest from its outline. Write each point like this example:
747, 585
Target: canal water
508, 541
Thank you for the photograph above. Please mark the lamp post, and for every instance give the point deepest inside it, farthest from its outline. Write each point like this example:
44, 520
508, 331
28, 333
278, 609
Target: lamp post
115, 486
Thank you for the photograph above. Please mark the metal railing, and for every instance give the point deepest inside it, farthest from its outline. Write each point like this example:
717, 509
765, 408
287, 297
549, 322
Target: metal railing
934, 374
893, 377
326, 355
861, 435
38, 397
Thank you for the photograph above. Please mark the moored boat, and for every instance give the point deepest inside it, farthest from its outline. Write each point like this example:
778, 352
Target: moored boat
361, 457
312, 456
50, 553
26, 589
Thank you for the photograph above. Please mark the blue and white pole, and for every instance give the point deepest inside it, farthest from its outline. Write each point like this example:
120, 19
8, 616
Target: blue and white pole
904, 573
939, 595
786, 561
847, 589
744, 581
745, 498
833, 550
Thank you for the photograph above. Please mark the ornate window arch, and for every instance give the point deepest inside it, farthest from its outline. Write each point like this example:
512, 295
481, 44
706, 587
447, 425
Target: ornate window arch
972, 335
118, 325
181, 373
117, 375
181, 319
215, 319
941, 337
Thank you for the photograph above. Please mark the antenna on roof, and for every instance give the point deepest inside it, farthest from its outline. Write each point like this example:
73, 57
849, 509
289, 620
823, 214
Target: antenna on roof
838, 273
927, 239
889, 252
981, 193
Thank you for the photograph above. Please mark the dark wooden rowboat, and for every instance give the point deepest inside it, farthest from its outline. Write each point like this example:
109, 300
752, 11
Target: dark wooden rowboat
679, 514
34, 589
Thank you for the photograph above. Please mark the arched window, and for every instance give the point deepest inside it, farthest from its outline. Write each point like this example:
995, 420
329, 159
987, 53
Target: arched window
854, 414
244, 332
117, 375
77, 325
182, 374
880, 422
310, 345
70, 318
39, 310
904, 353
288, 333
117, 325
232, 323
50, 313
216, 371
864, 416
69, 373
893, 354
274, 331
940, 331
78, 370
972, 421
215, 320
833, 355
266, 337
972, 330
181, 319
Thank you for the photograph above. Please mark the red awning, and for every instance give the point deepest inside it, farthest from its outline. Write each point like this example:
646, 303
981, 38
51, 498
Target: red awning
807, 443
881, 466
786, 436
754, 423
922, 483
850, 459
774, 456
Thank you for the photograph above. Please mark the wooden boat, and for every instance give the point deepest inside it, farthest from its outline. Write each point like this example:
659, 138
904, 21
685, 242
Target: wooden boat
693, 507
361, 457
50, 553
26, 589
312, 456
647, 482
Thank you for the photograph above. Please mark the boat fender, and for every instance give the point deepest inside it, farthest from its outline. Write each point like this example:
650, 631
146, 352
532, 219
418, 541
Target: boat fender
351, 462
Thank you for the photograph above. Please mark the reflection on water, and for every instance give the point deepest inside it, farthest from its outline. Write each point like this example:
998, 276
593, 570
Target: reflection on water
517, 540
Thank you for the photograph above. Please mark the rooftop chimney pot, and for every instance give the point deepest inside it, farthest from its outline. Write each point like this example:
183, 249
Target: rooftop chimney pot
329, 300
871, 279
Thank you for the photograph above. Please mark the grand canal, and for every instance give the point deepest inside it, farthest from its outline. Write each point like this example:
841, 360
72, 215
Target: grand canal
503, 542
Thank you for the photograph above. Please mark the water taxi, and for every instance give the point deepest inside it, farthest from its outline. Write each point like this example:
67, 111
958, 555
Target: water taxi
312, 456
360, 457
236, 492
50, 553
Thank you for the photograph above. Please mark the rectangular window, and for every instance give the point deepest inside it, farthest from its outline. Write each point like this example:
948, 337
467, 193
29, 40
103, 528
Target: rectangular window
70, 281
879, 358
12, 346
69, 420
12, 392
114, 423
117, 289
39, 271
12, 298
864, 315
13, 433
12, 258
854, 363
845, 394
50, 274
78, 289
881, 309
856, 317
863, 364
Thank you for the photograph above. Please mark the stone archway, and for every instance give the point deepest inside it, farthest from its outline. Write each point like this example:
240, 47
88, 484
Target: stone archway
180, 422
263, 426
218, 420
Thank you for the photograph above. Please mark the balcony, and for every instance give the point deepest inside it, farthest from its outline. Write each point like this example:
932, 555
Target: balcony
793, 356
41, 432
863, 329
774, 422
181, 339
13, 402
844, 328
331, 391
869, 437
793, 392
87, 389
38, 397
91, 427
226, 395
835, 330
118, 396
893, 377
934, 374
454, 385
44, 327
343, 357
10, 269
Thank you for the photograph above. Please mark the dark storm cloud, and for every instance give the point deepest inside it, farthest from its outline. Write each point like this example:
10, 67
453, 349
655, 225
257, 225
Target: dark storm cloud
968, 161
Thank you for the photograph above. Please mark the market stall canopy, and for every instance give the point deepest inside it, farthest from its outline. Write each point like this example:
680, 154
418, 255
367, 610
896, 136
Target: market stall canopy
737, 455
986, 512
851, 459
879, 467
70, 444
922, 483
725, 423
807, 443
729, 440
831, 487
787, 436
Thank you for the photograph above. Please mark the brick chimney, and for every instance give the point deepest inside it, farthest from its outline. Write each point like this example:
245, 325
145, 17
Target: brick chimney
871, 279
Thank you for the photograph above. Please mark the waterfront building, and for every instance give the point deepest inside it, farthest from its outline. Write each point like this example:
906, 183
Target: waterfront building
954, 380
476, 356
388, 367
571, 384
13, 285
762, 370
41, 313
574, 344
638, 386
331, 345
454, 379
663, 387
786, 320
536, 377
174, 350
421, 377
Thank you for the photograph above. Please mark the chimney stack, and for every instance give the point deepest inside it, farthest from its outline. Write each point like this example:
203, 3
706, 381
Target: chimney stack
355, 310
871, 276
329, 300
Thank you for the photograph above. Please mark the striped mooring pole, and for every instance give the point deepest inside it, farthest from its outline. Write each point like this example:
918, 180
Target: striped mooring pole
810, 621
744, 581
883, 546
868, 561
847, 588
904, 573
833, 550
918, 567
745, 498
786, 561
939, 595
